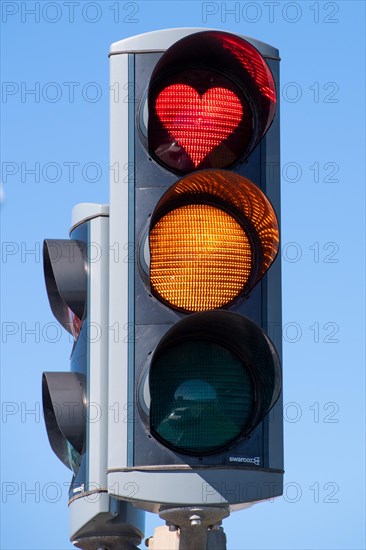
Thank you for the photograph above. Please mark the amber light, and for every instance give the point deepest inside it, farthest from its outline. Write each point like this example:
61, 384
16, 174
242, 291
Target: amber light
198, 123
213, 235
200, 257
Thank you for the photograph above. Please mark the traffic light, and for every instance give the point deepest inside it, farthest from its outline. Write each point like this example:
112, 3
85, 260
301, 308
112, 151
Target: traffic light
75, 402
65, 393
195, 293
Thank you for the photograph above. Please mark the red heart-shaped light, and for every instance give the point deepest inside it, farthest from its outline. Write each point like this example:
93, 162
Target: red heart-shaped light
198, 123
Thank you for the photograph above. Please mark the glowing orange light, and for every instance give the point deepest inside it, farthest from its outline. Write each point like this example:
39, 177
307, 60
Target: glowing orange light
200, 257
198, 123
213, 236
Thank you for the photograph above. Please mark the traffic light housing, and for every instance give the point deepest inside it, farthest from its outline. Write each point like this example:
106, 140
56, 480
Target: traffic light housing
195, 206
75, 402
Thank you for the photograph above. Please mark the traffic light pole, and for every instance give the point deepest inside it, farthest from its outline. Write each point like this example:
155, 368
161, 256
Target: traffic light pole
199, 529
196, 532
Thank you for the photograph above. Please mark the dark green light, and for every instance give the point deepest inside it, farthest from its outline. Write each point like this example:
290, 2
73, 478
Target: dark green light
201, 396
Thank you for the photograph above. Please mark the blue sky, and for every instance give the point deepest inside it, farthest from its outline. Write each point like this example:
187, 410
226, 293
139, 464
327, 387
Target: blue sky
63, 125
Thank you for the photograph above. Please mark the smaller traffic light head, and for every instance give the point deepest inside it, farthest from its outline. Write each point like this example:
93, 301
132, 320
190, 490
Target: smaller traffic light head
211, 99
212, 237
64, 408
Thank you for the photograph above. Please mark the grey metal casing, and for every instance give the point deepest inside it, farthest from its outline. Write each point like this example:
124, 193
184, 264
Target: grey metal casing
92, 510
76, 402
140, 469
90, 353
90, 223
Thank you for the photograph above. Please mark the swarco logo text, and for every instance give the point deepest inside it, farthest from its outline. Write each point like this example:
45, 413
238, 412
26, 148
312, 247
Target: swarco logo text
255, 460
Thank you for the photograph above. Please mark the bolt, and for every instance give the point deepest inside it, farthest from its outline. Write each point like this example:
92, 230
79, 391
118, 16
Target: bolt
171, 526
195, 520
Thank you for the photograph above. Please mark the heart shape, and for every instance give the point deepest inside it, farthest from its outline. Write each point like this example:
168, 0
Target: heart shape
198, 123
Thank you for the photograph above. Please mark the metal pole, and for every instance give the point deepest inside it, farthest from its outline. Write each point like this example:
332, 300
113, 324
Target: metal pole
216, 538
199, 528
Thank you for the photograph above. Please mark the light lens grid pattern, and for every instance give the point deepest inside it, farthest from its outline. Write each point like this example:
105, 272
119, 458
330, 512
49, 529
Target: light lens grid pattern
201, 257
198, 123
202, 396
